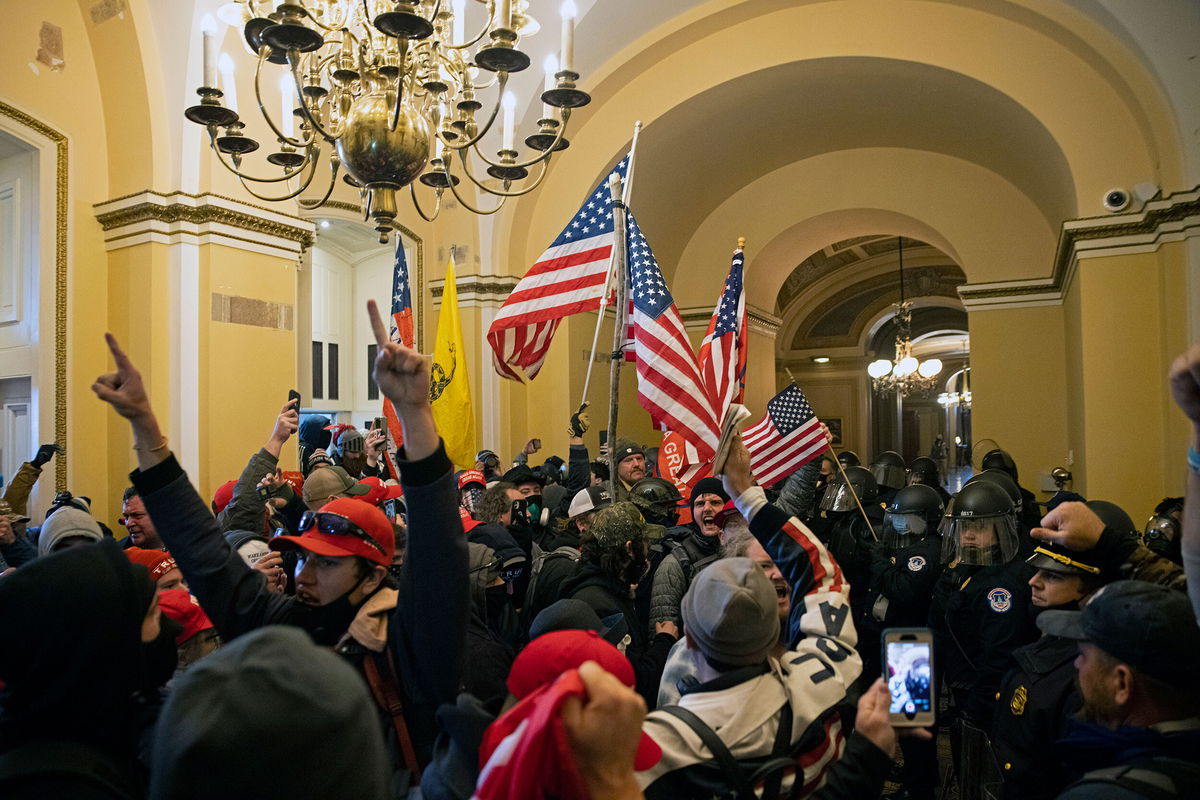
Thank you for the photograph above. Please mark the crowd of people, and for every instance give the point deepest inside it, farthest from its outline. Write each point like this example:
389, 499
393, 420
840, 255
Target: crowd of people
560, 630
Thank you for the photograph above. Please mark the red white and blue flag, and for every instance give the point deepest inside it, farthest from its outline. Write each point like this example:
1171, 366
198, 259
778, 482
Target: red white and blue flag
669, 384
723, 351
402, 332
568, 278
785, 439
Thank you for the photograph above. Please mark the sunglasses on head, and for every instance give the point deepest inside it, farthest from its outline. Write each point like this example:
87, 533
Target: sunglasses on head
335, 525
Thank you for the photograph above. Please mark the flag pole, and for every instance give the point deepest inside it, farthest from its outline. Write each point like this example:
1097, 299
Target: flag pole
614, 369
587, 378
845, 479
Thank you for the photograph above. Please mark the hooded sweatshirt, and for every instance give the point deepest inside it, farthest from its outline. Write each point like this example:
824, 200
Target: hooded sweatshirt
72, 660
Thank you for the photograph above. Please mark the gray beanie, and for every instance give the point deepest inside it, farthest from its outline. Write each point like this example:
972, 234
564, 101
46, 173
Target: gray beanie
65, 523
216, 735
731, 611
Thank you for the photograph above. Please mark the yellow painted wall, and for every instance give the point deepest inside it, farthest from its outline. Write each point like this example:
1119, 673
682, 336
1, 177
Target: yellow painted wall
1018, 383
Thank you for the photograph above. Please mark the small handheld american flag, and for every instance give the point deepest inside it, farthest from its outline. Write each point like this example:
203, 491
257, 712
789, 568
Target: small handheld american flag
787, 437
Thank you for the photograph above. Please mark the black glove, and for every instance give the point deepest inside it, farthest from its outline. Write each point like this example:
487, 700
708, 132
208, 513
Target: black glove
45, 453
579, 422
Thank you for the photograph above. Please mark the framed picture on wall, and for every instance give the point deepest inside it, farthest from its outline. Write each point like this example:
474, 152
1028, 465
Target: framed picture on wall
835, 427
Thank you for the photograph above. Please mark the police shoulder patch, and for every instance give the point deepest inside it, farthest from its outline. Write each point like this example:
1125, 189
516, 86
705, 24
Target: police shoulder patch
1000, 599
916, 563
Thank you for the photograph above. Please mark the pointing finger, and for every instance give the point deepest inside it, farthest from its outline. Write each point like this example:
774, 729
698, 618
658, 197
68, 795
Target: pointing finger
122, 360
381, 334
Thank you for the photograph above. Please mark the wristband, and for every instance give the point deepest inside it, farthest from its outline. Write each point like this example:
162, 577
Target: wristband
1194, 460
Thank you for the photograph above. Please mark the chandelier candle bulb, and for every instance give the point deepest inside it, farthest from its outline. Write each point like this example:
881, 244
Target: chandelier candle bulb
287, 122
551, 65
460, 9
568, 36
504, 14
509, 104
209, 48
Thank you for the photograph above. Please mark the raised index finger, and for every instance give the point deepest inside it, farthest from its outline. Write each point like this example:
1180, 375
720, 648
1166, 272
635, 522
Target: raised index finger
118, 354
381, 334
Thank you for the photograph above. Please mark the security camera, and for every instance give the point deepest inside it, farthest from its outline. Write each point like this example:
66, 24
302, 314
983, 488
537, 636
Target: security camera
1116, 200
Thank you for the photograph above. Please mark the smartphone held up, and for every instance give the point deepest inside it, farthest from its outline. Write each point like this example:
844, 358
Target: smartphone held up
908, 670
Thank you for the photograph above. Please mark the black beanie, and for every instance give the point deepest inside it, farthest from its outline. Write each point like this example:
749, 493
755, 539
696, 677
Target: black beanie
708, 486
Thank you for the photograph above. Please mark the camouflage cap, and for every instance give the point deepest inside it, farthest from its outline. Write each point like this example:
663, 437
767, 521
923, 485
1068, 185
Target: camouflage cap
6, 511
619, 523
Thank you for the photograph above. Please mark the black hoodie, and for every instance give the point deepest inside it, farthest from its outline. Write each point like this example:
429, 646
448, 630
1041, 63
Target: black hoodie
72, 661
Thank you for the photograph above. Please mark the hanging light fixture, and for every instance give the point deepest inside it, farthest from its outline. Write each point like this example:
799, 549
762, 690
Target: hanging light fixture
389, 90
905, 374
961, 399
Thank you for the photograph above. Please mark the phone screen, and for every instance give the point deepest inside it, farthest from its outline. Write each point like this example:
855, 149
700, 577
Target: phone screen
910, 678
603, 437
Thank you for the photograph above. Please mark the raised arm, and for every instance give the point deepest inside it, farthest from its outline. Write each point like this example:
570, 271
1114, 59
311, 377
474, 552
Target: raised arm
1185, 386
246, 509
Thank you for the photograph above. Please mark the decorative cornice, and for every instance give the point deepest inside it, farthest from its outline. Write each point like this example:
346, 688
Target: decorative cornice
1171, 219
58, 141
179, 216
476, 290
762, 321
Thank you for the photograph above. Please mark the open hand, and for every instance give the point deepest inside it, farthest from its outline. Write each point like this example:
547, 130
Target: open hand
401, 373
123, 389
735, 474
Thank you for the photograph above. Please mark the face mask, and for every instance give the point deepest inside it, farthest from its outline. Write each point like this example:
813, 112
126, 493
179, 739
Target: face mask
325, 624
160, 656
472, 495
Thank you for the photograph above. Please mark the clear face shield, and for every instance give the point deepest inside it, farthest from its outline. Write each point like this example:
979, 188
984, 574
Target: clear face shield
903, 529
982, 541
838, 497
889, 475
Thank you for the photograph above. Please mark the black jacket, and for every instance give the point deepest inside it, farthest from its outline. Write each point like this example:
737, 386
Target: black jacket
426, 632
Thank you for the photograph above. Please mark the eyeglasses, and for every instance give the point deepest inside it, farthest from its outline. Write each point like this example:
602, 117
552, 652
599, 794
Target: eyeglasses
335, 525
1068, 561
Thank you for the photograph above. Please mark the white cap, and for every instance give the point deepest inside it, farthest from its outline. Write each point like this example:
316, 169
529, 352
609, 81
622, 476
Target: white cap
589, 499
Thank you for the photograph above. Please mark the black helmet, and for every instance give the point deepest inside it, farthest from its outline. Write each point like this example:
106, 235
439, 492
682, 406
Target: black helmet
657, 499
849, 458
888, 468
924, 469
838, 497
1113, 516
914, 512
1002, 480
1001, 460
982, 526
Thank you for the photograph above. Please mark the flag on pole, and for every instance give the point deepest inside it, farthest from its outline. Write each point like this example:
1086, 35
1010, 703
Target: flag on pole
723, 351
785, 439
669, 384
402, 332
568, 278
449, 386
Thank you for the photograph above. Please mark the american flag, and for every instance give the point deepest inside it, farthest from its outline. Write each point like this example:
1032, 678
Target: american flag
566, 279
723, 351
669, 383
402, 332
785, 439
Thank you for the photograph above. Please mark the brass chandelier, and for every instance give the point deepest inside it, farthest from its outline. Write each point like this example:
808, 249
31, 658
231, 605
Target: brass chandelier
390, 90
904, 375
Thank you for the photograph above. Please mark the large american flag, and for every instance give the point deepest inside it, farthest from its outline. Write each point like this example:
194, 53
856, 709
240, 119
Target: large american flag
402, 332
785, 439
669, 384
723, 351
568, 278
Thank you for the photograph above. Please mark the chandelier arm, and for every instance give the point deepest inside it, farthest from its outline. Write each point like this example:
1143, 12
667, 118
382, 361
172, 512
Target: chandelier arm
331, 28
315, 126
437, 208
491, 118
262, 57
334, 166
470, 207
312, 174
243, 176
545, 156
498, 193
491, 9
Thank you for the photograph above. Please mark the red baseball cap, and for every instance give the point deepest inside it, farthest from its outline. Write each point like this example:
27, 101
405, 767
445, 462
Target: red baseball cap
159, 562
180, 606
223, 496
393, 490
295, 480
471, 476
727, 511
378, 491
551, 654
366, 518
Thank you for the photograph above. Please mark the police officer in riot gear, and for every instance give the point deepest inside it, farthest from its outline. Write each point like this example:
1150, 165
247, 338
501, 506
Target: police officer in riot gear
890, 474
1013, 491
924, 470
849, 458
1029, 512
840, 525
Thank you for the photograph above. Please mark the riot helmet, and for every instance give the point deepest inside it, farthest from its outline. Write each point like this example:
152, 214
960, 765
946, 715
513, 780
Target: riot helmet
838, 495
1002, 480
1001, 460
849, 458
924, 469
914, 513
657, 499
888, 468
982, 526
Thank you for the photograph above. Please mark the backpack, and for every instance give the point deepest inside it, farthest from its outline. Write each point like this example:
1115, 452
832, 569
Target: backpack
675, 543
1157, 778
540, 557
741, 777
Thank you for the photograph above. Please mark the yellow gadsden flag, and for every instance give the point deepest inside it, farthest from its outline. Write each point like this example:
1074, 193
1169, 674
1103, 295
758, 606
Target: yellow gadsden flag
449, 385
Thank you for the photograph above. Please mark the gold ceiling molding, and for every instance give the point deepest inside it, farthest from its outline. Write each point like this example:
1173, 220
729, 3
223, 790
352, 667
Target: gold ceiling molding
201, 218
476, 290
1169, 219
59, 142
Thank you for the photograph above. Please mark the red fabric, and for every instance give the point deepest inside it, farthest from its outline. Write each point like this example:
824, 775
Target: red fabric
378, 491
368, 518
180, 606
526, 753
159, 562
469, 476
223, 496
551, 654
295, 480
